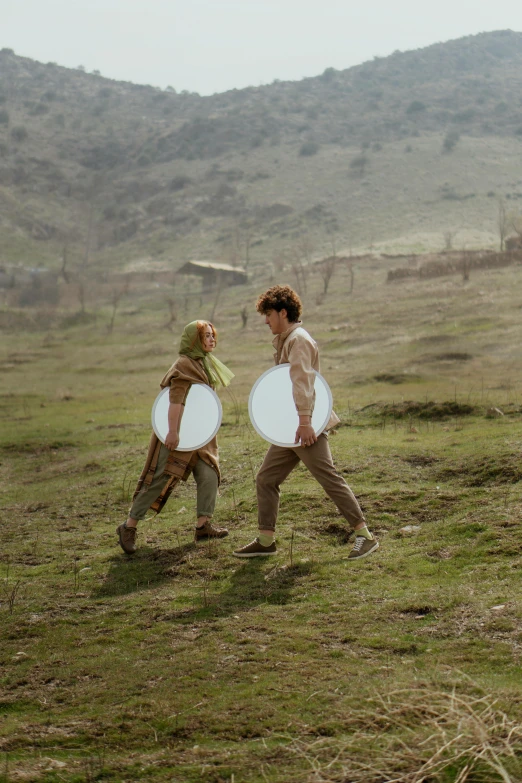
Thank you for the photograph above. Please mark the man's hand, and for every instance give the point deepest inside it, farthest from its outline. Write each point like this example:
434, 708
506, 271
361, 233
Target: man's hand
172, 441
306, 434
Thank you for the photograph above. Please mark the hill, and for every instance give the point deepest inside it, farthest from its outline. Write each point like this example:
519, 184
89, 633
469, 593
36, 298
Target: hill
396, 151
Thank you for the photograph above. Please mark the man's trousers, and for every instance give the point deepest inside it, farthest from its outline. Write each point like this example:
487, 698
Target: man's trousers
279, 463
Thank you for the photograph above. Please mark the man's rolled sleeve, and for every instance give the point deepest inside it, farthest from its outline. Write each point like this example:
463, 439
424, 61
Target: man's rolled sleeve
302, 375
179, 390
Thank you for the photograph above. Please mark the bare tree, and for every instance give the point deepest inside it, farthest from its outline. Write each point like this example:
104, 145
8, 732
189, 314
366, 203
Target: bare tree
63, 271
300, 274
351, 272
502, 223
88, 239
449, 236
241, 243
244, 316
516, 225
116, 296
294, 258
173, 314
306, 247
326, 269
249, 236
332, 242
81, 294
218, 289
465, 265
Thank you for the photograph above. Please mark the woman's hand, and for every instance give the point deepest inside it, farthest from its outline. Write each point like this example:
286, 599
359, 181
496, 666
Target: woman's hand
175, 414
172, 441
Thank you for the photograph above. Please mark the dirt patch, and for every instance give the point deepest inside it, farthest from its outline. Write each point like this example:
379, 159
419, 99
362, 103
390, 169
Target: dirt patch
420, 460
426, 410
418, 611
35, 447
118, 426
338, 530
499, 469
435, 338
395, 378
453, 356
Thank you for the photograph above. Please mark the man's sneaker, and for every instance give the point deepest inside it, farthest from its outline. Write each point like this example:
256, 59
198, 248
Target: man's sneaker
209, 531
255, 549
127, 538
362, 547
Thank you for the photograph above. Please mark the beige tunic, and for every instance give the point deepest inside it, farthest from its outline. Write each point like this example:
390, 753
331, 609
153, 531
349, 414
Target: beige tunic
297, 348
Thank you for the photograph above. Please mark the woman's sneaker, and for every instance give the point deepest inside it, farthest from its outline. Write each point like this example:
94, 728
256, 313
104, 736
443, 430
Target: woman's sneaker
255, 549
209, 531
362, 547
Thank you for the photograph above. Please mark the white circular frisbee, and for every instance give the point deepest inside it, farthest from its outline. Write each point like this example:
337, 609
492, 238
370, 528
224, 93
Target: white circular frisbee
201, 418
272, 408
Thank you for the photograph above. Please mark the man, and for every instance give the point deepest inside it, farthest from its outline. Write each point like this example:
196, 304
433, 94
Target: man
282, 307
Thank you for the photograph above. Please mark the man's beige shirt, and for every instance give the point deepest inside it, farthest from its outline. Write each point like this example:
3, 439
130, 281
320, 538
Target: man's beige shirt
297, 348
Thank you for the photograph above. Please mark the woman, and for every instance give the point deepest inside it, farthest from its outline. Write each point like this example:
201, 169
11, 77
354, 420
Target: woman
164, 466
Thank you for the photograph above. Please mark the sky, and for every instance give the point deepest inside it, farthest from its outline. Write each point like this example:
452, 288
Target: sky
210, 46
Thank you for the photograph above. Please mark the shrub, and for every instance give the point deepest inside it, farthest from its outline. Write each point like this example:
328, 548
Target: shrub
179, 182
42, 290
4, 117
450, 141
358, 163
415, 107
19, 133
328, 75
39, 108
466, 115
309, 148
110, 211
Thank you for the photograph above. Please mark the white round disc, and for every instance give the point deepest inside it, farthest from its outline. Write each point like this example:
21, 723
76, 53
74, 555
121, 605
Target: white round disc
272, 408
201, 418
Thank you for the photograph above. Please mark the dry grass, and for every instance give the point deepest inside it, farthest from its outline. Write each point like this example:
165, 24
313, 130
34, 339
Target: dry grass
413, 735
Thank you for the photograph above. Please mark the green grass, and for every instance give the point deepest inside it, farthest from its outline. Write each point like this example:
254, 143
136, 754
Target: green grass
183, 664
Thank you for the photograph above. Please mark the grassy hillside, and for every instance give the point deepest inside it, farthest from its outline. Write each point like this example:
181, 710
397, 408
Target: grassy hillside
183, 664
401, 149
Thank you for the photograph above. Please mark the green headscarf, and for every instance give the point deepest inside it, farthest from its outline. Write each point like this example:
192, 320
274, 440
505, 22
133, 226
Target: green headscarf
190, 345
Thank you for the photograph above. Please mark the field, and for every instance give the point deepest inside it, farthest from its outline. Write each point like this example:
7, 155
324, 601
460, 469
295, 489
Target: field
183, 664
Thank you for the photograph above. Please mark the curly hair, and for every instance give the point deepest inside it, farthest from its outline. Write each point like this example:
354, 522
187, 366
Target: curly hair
280, 297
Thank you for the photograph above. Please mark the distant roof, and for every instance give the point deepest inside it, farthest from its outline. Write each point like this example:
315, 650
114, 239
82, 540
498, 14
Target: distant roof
214, 265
